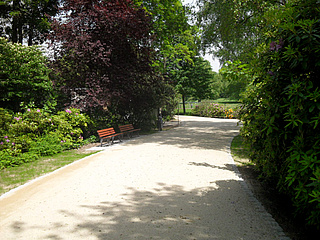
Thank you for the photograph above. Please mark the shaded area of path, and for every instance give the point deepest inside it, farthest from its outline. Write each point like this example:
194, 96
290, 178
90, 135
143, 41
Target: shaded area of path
177, 184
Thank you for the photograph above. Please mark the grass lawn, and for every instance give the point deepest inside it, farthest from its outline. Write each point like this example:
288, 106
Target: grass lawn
228, 103
15, 176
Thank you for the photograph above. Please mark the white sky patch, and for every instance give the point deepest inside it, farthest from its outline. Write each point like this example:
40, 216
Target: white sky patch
215, 64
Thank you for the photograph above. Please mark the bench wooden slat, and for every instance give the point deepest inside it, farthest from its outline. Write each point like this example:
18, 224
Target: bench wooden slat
128, 129
109, 134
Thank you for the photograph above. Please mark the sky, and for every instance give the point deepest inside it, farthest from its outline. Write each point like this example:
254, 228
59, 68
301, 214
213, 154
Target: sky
213, 61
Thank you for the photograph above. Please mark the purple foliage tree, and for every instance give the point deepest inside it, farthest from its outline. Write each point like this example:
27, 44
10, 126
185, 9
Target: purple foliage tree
103, 50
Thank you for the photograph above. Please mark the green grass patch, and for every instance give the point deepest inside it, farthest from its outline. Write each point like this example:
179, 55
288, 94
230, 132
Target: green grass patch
240, 151
13, 177
228, 103
188, 111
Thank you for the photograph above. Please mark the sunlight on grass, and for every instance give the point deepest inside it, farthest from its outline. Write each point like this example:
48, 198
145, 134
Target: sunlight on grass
228, 103
240, 152
15, 176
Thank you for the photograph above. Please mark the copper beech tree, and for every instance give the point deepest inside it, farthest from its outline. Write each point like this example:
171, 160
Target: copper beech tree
103, 55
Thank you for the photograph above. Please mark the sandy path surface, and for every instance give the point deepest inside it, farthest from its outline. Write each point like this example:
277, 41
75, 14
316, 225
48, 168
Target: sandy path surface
177, 184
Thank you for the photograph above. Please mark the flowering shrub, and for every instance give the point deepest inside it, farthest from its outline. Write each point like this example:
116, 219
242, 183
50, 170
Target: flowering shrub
26, 136
281, 114
213, 110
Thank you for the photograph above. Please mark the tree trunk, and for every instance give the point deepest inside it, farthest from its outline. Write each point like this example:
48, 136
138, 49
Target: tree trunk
20, 38
184, 104
31, 27
16, 25
15, 20
30, 35
14, 36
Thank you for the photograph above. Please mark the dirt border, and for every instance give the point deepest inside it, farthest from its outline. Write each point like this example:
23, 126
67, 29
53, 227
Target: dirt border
276, 204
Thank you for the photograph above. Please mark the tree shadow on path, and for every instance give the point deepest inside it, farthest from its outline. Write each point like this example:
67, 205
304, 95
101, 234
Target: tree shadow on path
207, 134
219, 209
172, 212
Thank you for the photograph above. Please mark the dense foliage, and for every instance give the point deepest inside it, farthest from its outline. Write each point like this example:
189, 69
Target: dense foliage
26, 136
236, 77
232, 29
214, 110
24, 77
274, 46
26, 20
193, 79
281, 118
104, 57
175, 39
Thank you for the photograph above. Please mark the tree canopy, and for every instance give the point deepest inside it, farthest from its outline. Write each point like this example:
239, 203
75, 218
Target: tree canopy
232, 29
175, 39
104, 56
28, 19
193, 79
24, 77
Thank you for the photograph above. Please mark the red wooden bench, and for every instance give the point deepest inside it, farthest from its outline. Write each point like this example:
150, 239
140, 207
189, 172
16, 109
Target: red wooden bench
109, 134
128, 129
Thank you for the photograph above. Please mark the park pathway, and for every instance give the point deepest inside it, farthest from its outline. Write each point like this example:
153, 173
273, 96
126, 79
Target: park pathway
176, 184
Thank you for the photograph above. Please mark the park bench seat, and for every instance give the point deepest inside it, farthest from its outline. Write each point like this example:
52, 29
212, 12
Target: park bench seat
109, 134
128, 130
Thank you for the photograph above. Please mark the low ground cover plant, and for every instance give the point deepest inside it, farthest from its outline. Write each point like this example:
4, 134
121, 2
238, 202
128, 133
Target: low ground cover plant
26, 136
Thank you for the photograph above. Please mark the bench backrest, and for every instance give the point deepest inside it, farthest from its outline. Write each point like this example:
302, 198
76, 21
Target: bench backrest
125, 128
106, 132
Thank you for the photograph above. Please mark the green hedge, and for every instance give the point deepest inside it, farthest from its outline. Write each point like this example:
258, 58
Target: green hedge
281, 114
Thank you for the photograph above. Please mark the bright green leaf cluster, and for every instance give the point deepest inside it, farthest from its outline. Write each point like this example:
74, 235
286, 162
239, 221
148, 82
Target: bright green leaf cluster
36, 133
24, 76
281, 106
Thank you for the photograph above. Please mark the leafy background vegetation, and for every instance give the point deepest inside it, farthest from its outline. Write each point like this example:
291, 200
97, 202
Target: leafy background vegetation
273, 47
106, 67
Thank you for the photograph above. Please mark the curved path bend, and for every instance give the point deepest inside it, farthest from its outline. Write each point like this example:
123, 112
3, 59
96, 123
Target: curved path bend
177, 184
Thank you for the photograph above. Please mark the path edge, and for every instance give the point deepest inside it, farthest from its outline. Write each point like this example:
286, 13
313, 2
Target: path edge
256, 203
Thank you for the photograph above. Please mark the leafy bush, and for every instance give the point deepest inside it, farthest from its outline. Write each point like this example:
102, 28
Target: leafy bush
213, 110
24, 77
26, 136
47, 145
281, 114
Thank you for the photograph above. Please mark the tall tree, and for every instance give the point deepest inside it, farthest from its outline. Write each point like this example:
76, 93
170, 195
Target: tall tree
26, 19
193, 80
232, 29
104, 50
175, 39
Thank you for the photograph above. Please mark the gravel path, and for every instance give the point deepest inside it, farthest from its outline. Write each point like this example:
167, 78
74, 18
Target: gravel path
177, 184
